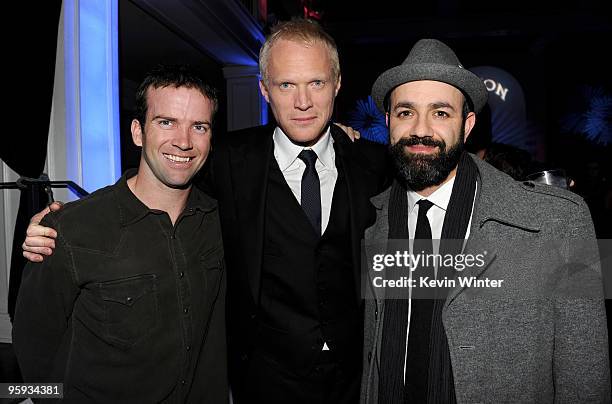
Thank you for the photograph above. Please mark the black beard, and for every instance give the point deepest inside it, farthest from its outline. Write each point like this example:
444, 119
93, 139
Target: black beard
421, 171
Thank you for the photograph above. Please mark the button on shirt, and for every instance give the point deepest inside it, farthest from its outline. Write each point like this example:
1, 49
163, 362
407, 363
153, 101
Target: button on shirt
286, 155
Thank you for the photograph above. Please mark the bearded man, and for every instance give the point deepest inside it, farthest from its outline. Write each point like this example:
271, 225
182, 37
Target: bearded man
524, 342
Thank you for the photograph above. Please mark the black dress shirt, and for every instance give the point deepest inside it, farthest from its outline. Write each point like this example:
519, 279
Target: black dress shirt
129, 308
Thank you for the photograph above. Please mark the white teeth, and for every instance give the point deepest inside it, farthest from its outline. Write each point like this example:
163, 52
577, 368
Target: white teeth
177, 158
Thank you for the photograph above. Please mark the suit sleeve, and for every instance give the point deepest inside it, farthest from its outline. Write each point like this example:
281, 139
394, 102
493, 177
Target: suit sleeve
581, 366
42, 315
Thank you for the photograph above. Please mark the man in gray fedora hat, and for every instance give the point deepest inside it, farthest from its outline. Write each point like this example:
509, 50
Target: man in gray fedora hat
502, 329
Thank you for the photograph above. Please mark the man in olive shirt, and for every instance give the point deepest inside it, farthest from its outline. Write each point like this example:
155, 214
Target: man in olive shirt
131, 306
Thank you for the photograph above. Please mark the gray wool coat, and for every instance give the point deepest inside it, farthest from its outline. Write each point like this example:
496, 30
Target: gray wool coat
542, 337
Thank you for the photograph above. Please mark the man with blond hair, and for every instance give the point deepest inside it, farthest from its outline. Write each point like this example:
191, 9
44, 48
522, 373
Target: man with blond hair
294, 204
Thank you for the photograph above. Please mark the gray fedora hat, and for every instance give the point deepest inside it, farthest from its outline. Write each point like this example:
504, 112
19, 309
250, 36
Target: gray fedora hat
430, 59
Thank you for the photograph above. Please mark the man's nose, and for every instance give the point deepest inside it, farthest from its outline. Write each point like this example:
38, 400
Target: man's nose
303, 101
182, 139
422, 127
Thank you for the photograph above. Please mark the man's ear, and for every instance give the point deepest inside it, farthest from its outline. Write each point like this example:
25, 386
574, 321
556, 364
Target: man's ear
136, 132
470, 121
338, 85
387, 119
264, 91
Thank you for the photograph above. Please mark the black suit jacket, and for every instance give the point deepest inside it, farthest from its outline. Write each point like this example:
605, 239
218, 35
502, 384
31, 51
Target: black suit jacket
238, 175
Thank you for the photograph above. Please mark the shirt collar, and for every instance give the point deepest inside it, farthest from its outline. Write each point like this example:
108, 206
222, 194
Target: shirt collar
440, 197
286, 152
132, 209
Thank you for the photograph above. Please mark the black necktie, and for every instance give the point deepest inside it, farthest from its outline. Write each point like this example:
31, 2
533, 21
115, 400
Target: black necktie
311, 189
423, 229
417, 358
422, 237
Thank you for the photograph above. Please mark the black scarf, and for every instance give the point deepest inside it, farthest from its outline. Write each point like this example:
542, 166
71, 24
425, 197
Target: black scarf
440, 385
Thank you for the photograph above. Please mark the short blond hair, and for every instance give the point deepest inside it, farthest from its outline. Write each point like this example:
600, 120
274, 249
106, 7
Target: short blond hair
298, 30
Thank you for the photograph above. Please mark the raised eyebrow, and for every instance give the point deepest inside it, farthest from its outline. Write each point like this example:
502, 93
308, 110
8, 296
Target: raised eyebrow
164, 118
399, 105
201, 123
439, 105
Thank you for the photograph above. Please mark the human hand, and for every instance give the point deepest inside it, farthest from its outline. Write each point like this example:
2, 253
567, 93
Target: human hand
353, 134
40, 240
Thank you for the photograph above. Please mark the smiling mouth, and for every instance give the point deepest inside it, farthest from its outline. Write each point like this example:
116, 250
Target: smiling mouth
177, 159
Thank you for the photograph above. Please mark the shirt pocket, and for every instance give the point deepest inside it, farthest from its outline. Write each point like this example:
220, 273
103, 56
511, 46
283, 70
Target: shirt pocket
130, 309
